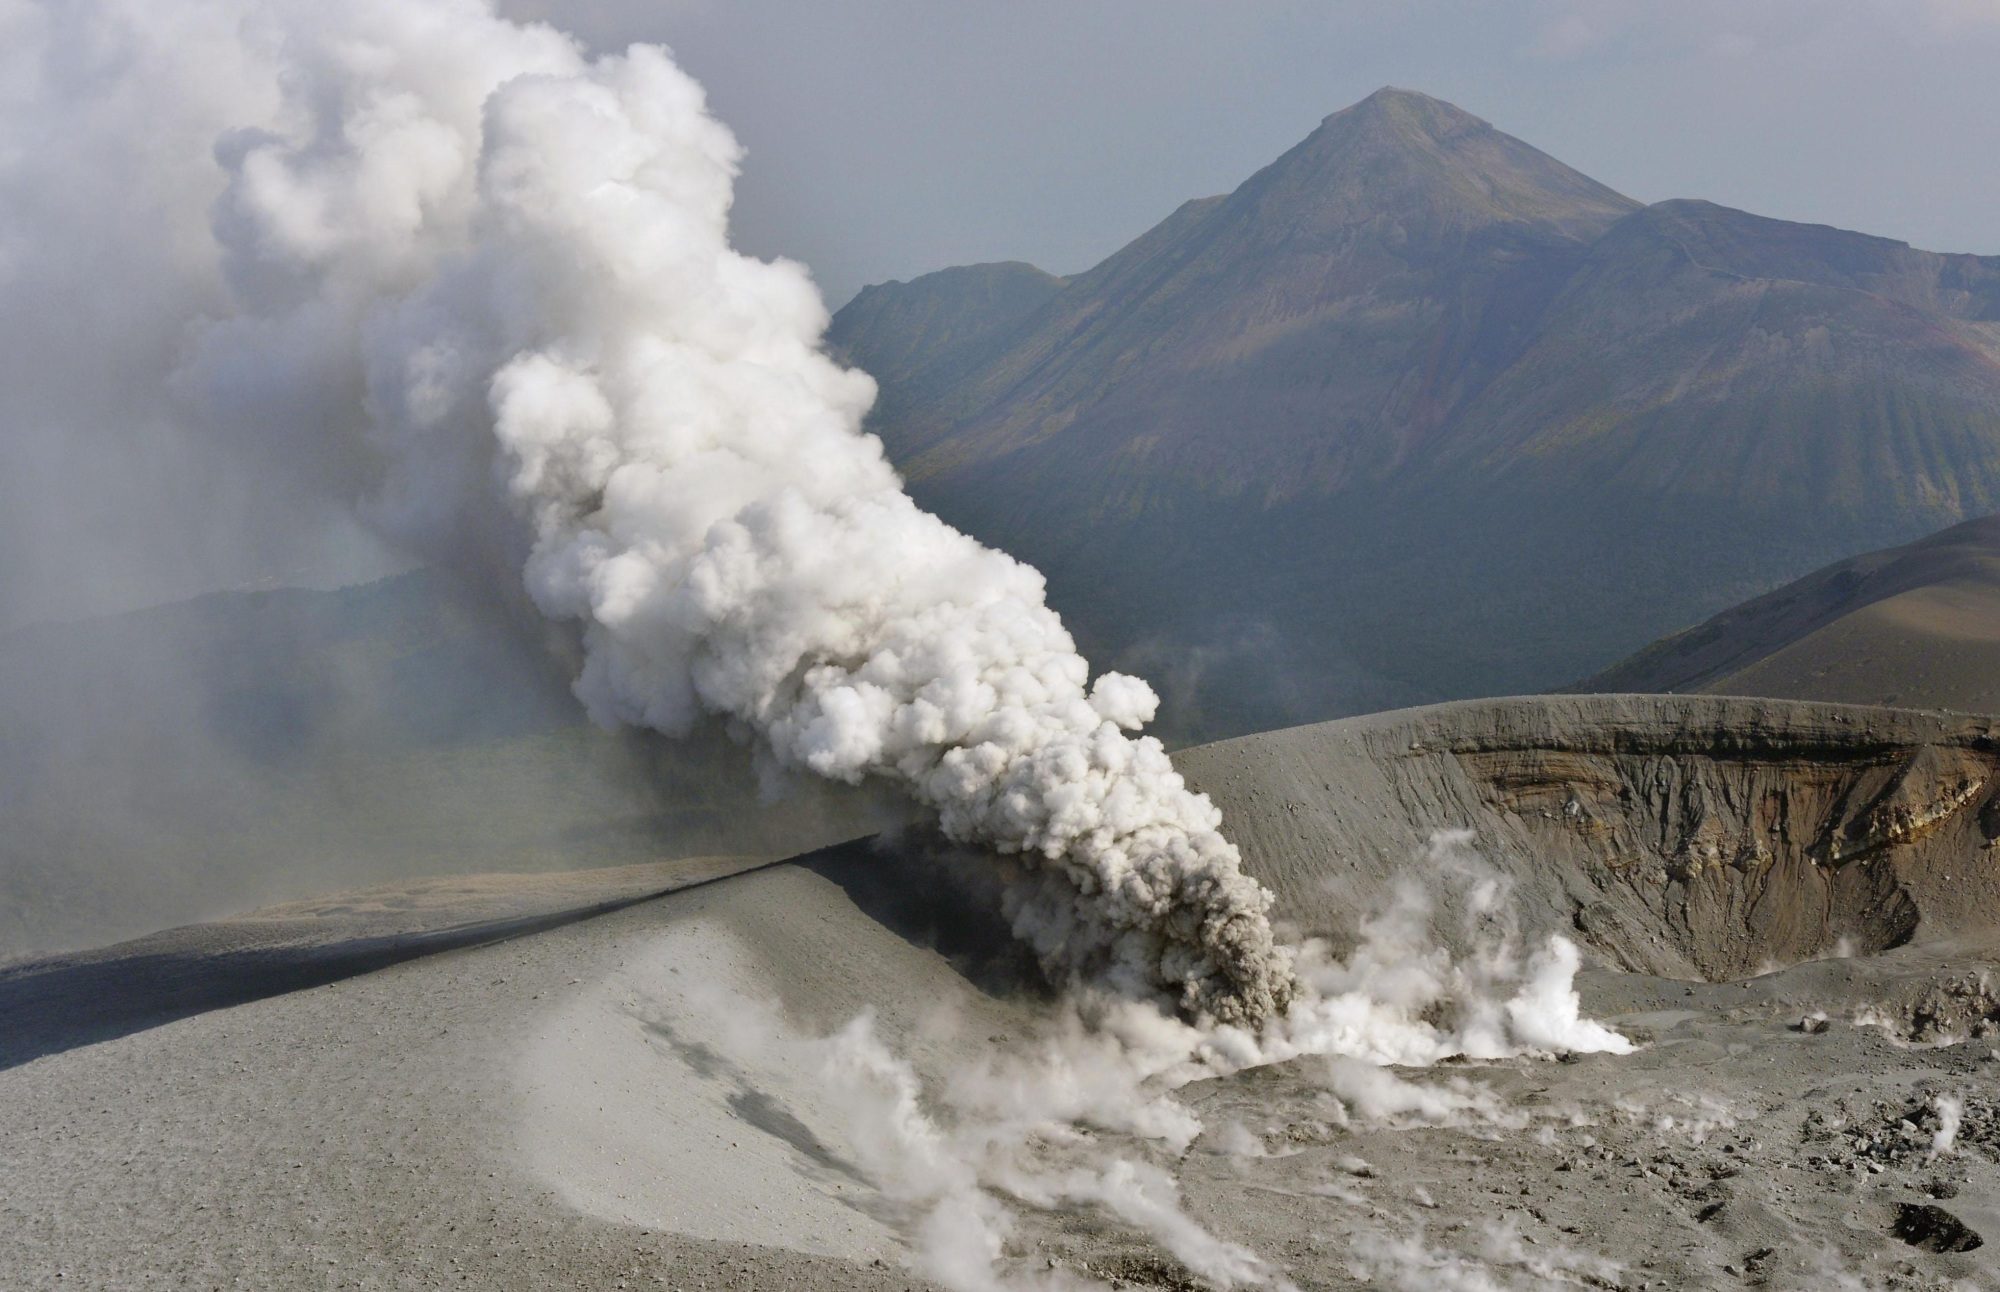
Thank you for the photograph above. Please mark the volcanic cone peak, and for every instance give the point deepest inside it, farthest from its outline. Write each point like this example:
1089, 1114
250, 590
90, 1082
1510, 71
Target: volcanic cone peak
1406, 154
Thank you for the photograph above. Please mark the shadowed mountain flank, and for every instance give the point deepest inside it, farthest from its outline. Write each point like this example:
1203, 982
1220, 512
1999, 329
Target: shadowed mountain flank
909, 328
55, 1004
1235, 336
1916, 626
1417, 412
937, 896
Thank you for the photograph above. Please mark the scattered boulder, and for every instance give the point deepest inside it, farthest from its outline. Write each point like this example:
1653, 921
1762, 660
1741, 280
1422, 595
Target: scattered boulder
1932, 1228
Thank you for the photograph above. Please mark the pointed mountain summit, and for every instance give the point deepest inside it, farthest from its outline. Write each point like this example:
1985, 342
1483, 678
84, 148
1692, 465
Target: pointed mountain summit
1419, 412
1402, 221
1406, 154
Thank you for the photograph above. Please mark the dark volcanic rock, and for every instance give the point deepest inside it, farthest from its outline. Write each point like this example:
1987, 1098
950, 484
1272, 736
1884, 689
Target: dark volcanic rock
1931, 1227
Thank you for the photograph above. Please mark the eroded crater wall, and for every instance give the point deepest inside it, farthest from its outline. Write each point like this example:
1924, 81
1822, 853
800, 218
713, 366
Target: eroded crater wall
1692, 836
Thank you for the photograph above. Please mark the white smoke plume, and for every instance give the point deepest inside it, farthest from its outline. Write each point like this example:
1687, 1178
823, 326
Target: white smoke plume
1404, 996
1950, 1111
485, 279
960, 1164
455, 260
1501, 1261
1399, 999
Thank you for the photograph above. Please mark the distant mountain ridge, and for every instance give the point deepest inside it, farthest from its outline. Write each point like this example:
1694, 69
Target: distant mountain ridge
916, 324
1232, 285
1916, 626
1417, 412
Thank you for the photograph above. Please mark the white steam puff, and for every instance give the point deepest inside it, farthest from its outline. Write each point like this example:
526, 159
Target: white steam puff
704, 502
487, 268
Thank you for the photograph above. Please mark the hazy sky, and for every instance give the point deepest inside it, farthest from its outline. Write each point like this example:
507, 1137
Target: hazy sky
891, 137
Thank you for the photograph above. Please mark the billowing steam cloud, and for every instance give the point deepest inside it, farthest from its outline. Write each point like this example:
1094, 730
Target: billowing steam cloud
455, 266
487, 279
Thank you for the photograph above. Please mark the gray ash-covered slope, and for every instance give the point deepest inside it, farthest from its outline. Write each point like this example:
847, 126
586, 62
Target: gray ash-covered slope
586, 1106
182, 762
1688, 836
1916, 626
1417, 411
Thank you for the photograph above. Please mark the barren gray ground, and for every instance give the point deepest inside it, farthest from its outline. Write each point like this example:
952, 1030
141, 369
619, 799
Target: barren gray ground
575, 1104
